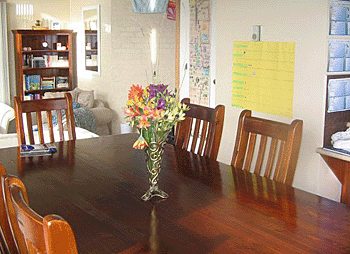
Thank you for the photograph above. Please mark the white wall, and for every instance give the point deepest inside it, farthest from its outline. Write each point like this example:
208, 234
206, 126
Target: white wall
305, 23
125, 54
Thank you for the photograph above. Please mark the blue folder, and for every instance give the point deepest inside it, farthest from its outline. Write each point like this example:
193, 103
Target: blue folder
336, 64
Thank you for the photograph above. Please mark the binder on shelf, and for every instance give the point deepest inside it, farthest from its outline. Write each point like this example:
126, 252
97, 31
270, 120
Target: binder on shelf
338, 94
336, 104
338, 12
336, 87
347, 102
337, 48
338, 28
347, 64
336, 64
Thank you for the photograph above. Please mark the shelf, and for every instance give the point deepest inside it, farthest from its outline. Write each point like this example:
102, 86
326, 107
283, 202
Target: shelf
91, 32
42, 91
91, 50
339, 37
46, 51
44, 68
340, 2
338, 73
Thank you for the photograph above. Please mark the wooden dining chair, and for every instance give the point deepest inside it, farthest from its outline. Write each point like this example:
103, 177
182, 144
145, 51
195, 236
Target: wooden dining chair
7, 243
46, 106
201, 130
280, 139
33, 233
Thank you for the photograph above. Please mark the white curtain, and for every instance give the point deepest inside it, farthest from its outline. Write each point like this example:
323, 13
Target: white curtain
4, 67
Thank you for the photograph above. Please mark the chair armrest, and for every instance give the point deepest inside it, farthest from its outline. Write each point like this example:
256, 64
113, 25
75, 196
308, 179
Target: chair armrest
6, 115
98, 104
102, 115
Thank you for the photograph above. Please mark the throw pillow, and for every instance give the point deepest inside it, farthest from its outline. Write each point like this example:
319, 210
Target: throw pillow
75, 94
86, 98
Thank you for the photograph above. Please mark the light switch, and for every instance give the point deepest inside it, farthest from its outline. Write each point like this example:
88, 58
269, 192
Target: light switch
108, 28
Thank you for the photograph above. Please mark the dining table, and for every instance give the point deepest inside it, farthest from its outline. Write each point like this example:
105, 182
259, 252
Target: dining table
96, 185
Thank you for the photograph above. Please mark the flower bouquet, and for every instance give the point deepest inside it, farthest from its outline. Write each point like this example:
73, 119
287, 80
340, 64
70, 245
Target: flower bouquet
154, 111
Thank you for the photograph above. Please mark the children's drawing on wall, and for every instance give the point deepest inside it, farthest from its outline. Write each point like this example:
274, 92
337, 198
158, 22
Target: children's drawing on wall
199, 51
263, 76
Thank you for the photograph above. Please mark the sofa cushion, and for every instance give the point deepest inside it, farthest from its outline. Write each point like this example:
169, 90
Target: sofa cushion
86, 98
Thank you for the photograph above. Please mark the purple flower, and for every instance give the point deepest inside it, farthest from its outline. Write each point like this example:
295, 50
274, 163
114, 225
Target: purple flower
154, 90
161, 103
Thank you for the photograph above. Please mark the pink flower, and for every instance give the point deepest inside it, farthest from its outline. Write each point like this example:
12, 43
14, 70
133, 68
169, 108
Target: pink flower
157, 114
140, 143
147, 111
143, 123
131, 112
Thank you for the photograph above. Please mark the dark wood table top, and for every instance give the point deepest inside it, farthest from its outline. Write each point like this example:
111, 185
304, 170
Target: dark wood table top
96, 185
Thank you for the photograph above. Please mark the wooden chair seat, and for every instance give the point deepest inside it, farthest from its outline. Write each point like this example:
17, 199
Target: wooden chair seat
201, 130
46, 106
32, 233
255, 136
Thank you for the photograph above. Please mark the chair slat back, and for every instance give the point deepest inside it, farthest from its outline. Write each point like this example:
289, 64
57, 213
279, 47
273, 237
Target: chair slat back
46, 106
201, 130
7, 241
271, 147
34, 234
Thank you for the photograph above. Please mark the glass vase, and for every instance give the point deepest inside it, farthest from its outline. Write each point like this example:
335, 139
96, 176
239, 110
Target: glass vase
154, 153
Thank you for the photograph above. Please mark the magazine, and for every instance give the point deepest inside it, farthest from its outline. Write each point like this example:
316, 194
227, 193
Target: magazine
37, 150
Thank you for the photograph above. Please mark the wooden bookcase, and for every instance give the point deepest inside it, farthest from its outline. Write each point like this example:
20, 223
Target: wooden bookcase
44, 53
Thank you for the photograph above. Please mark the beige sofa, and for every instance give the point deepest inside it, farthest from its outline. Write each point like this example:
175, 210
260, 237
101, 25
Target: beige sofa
103, 115
7, 114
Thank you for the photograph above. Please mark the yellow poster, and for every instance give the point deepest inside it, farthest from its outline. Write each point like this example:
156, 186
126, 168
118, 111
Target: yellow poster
263, 76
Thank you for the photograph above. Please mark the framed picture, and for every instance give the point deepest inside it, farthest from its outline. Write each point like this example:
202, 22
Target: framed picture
56, 25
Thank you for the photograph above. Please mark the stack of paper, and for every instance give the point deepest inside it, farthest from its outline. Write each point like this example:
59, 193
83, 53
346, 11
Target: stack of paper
37, 150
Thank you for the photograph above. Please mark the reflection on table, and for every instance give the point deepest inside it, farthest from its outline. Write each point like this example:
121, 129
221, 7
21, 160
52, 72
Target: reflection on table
97, 184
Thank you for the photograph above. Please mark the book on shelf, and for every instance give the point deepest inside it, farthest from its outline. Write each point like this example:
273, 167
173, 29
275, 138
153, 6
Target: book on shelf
48, 83
44, 61
62, 82
37, 150
31, 82
39, 62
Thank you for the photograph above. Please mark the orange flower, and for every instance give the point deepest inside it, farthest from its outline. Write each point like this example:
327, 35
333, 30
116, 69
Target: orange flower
135, 92
143, 123
140, 143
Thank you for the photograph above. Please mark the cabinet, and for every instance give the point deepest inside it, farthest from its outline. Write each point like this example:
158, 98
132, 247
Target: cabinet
45, 61
338, 70
91, 50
